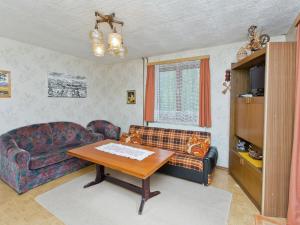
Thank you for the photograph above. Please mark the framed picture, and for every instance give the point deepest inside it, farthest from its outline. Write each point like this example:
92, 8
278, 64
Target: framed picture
66, 85
5, 84
131, 99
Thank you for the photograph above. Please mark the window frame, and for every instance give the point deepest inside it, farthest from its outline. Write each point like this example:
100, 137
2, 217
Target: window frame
178, 68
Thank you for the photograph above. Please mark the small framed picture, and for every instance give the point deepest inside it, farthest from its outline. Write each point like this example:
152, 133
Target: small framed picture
5, 84
131, 99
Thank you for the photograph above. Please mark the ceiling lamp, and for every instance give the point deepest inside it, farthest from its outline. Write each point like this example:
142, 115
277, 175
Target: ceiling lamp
115, 40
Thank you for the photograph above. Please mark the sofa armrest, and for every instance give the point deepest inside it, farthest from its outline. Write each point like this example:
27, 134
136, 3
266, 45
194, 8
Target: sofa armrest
13, 154
19, 156
109, 130
96, 136
209, 163
112, 132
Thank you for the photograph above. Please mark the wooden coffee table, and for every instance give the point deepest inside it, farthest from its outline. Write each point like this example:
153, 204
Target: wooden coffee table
139, 169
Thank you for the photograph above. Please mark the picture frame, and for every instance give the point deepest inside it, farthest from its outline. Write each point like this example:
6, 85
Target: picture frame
64, 85
131, 97
5, 84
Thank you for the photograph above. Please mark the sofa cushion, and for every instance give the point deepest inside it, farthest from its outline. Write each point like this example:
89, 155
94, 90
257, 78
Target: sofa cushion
198, 146
67, 134
133, 138
49, 158
171, 139
34, 139
187, 161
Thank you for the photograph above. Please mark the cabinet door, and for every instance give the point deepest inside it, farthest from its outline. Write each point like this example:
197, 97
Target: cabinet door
253, 183
250, 120
256, 121
236, 166
241, 118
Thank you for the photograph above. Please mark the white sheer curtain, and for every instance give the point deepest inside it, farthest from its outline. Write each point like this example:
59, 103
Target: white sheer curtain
177, 93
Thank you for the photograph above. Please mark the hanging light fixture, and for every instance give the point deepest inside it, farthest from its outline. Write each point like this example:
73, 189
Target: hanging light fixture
115, 40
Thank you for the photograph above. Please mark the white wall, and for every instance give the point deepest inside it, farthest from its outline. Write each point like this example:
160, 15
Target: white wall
30, 103
117, 79
291, 34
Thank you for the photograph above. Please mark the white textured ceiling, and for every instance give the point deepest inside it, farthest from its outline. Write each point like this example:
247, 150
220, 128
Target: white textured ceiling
152, 27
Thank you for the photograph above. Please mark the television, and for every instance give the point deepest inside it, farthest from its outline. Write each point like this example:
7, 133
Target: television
257, 80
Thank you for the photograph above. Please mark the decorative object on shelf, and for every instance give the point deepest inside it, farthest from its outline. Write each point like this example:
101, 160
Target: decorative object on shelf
5, 84
242, 146
257, 41
115, 40
226, 83
241, 54
255, 154
131, 99
66, 85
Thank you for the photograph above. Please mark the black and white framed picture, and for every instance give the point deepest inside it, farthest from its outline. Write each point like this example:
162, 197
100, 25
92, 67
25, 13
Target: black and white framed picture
66, 85
131, 97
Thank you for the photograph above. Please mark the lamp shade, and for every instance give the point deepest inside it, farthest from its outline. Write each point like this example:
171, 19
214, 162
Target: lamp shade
114, 40
98, 49
96, 35
97, 42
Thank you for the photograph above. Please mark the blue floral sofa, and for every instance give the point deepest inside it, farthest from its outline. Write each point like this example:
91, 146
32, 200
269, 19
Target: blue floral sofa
36, 154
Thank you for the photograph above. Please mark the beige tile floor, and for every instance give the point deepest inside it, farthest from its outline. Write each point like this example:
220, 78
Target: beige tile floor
24, 210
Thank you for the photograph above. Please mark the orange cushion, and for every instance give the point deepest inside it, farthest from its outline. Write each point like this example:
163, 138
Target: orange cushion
198, 146
133, 138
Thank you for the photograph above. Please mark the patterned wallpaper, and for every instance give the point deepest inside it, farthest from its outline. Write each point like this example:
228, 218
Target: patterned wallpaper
29, 66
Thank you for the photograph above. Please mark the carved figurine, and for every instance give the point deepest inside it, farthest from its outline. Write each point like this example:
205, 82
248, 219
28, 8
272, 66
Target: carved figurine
226, 83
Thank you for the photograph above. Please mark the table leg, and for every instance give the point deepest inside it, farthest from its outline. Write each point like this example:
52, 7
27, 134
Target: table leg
99, 176
146, 194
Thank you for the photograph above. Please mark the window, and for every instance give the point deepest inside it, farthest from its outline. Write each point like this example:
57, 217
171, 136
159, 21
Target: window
177, 93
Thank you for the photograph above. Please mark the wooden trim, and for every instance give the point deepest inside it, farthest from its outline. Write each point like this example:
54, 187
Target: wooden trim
297, 20
278, 126
172, 61
251, 60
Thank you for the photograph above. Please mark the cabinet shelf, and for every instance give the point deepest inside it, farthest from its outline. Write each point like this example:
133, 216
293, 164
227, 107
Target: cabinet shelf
256, 58
259, 170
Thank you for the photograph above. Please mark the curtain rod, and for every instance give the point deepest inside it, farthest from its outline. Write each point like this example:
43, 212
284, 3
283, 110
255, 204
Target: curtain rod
179, 60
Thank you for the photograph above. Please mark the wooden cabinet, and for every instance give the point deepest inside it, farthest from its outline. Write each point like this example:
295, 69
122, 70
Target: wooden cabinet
250, 119
249, 178
267, 123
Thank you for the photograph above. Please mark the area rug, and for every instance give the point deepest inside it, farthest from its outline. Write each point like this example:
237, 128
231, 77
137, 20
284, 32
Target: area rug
180, 202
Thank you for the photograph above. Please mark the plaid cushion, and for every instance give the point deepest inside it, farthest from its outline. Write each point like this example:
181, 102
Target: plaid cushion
171, 139
186, 161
